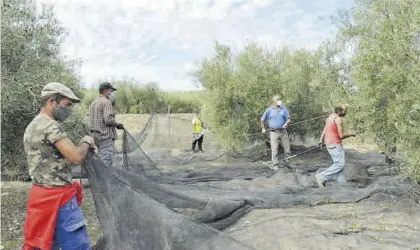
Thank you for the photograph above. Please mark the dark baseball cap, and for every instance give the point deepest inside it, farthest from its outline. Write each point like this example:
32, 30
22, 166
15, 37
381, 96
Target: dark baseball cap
106, 85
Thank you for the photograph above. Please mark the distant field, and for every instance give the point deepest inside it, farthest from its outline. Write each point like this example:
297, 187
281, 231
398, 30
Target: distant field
178, 139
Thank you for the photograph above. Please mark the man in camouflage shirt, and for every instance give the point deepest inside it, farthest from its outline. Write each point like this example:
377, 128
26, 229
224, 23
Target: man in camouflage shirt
53, 198
103, 124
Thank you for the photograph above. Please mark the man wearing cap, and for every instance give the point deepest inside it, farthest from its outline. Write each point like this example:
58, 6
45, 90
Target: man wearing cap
54, 218
103, 124
278, 118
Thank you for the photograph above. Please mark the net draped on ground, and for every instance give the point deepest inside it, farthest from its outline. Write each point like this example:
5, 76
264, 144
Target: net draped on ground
141, 207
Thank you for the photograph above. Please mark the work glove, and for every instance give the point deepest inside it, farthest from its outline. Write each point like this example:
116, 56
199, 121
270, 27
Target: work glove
120, 126
320, 145
263, 131
89, 140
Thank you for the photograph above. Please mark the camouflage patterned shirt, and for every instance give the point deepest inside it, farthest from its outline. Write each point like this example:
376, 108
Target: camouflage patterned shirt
47, 166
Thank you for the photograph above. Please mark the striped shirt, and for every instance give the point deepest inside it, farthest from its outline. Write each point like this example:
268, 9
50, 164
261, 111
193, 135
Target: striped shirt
102, 119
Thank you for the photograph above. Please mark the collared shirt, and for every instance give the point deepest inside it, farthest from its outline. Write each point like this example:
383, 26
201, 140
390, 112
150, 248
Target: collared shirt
276, 117
47, 166
102, 119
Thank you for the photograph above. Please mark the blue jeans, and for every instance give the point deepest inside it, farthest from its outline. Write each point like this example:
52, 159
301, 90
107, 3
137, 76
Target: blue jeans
70, 231
335, 171
107, 151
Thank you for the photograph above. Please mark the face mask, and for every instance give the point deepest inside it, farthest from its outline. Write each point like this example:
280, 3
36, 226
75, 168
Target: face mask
279, 103
111, 96
61, 112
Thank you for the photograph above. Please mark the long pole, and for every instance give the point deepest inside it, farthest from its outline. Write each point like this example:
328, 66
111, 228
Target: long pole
301, 153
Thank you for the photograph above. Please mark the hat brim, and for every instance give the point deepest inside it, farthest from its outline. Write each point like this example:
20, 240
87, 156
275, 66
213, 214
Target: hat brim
72, 98
75, 101
100, 89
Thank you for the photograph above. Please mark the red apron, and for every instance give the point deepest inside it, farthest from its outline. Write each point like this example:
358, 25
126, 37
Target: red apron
42, 211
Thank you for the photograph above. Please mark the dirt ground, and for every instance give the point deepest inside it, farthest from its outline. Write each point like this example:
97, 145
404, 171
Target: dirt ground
365, 225
369, 224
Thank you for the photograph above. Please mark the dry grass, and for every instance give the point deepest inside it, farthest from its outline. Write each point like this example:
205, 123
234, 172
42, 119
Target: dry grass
179, 137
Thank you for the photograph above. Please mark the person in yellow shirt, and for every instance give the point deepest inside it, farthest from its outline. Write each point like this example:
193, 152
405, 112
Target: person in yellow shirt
198, 136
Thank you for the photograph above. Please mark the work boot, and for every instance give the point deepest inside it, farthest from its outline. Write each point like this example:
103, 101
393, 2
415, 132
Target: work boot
287, 164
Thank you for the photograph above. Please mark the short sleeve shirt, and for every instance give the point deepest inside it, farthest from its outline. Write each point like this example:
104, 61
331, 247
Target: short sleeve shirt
276, 117
198, 125
47, 166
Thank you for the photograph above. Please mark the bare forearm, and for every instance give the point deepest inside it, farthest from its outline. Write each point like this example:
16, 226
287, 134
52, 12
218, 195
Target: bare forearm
83, 149
78, 153
321, 139
74, 154
262, 125
344, 135
347, 135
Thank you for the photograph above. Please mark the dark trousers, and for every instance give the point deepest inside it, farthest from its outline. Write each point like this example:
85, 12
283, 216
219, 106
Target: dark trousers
200, 143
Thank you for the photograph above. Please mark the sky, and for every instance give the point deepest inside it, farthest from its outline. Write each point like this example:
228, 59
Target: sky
163, 41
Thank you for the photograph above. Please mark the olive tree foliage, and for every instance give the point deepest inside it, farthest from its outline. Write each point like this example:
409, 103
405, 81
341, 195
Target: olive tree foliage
135, 98
386, 69
131, 98
29, 59
240, 87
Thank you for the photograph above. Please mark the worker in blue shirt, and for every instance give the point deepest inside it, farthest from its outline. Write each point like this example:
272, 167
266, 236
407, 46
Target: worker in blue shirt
278, 119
